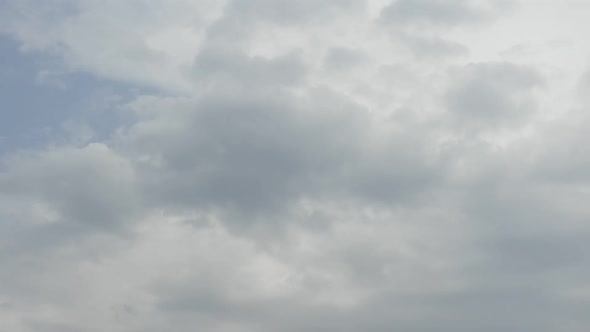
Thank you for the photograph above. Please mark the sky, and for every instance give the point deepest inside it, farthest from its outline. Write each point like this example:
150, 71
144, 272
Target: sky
278, 165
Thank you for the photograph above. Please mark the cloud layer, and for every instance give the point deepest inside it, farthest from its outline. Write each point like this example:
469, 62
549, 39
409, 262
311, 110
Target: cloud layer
258, 166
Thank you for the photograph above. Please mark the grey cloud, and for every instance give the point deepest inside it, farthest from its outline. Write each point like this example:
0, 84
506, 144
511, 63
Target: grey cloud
433, 47
443, 13
538, 255
561, 146
213, 65
213, 147
492, 95
462, 310
110, 39
241, 19
344, 59
40, 325
290, 12
583, 85
555, 156
262, 153
59, 205
296, 190
90, 185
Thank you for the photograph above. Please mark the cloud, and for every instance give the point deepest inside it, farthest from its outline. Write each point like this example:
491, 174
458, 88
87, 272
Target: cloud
433, 47
287, 166
493, 94
90, 185
260, 153
343, 59
441, 13
216, 65
288, 12
115, 40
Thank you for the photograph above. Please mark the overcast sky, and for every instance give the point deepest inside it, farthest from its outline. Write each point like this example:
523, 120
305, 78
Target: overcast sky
291, 166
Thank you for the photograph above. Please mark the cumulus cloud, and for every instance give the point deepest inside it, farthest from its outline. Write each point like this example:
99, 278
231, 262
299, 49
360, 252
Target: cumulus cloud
259, 153
287, 166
